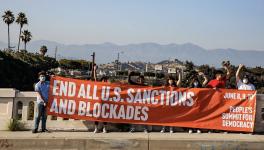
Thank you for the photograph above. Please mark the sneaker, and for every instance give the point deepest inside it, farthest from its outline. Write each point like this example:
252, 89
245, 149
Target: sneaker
95, 130
35, 131
104, 130
44, 130
171, 130
132, 130
162, 130
145, 130
199, 131
190, 131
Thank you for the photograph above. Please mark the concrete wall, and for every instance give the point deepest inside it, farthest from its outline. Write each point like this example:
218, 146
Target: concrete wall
259, 123
9, 105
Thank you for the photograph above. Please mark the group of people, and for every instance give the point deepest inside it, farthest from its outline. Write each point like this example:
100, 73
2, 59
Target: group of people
219, 82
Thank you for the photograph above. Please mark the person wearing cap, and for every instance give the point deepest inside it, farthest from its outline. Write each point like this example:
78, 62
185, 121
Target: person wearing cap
220, 78
42, 89
243, 84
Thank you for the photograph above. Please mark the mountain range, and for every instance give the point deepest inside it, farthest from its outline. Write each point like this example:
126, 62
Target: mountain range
149, 52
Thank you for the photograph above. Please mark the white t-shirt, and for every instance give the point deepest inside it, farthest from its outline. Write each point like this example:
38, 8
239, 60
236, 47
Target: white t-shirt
243, 86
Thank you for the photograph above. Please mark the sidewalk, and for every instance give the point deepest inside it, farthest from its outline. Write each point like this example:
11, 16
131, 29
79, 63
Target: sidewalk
124, 140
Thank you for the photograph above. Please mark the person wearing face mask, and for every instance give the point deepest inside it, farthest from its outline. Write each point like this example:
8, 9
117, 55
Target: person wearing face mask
42, 89
195, 83
243, 84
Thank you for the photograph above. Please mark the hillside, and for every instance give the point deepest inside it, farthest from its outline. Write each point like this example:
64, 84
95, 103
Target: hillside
151, 52
20, 69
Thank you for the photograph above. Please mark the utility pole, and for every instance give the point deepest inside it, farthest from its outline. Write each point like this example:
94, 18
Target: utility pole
146, 69
56, 49
117, 61
118, 57
93, 62
118, 66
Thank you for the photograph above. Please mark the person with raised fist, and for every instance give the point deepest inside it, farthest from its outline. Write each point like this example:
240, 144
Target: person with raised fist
245, 83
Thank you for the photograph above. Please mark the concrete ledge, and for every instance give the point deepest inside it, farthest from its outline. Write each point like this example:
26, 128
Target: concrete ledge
205, 141
7, 92
120, 140
72, 140
27, 94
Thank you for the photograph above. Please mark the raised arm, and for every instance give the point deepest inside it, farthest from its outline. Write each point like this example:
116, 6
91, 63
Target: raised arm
179, 79
228, 71
94, 73
205, 79
238, 72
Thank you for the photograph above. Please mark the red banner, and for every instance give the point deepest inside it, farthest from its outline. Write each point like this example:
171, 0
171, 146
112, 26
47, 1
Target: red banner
222, 109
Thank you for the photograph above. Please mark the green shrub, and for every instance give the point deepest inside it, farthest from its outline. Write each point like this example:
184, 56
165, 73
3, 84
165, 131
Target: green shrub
15, 125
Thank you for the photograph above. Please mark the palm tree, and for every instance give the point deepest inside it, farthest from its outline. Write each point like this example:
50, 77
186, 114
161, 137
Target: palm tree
8, 18
43, 50
21, 20
26, 37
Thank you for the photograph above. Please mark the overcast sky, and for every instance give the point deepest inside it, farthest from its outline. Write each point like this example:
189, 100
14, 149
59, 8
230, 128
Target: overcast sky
211, 24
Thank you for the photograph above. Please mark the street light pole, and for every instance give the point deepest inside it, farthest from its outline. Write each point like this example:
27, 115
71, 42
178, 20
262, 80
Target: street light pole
56, 49
119, 66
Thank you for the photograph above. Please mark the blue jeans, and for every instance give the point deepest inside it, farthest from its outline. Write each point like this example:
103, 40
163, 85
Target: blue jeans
40, 113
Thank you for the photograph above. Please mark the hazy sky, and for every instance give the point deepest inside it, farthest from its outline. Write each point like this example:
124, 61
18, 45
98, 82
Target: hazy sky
209, 23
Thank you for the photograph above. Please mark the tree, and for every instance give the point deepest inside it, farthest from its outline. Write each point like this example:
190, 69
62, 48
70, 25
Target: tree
190, 73
25, 66
75, 64
26, 37
189, 65
43, 50
8, 18
21, 20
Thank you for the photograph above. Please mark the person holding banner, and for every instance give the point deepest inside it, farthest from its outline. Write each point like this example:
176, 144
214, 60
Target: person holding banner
96, 123
42, 89
243, 84
140, 82
172, 83
220, 78
195, 83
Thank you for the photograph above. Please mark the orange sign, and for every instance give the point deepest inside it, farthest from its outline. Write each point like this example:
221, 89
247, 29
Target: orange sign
222, 109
